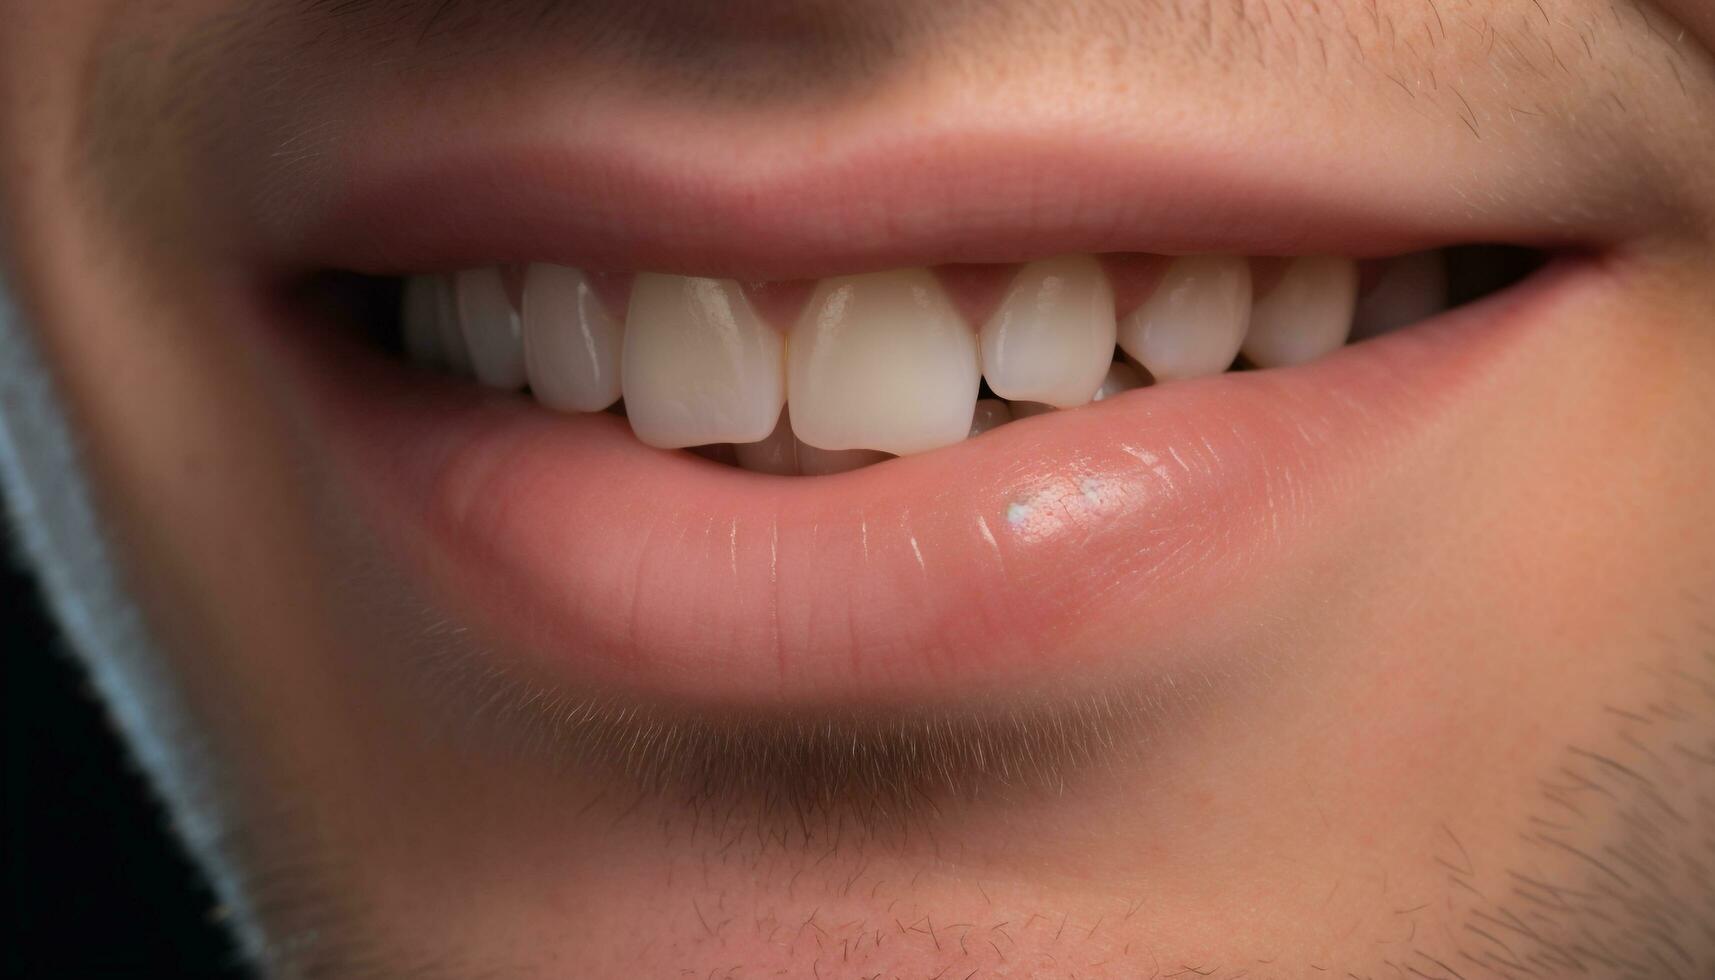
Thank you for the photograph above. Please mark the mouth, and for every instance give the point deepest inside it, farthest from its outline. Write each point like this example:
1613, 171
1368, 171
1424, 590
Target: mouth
903, 362
950, 479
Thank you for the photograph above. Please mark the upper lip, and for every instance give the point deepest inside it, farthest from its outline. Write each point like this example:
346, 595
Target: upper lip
606, 191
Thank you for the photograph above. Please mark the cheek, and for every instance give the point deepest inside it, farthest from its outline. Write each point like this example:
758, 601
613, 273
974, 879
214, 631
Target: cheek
203, 489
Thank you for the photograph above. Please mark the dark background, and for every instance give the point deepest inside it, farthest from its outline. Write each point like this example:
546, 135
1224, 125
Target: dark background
95, 884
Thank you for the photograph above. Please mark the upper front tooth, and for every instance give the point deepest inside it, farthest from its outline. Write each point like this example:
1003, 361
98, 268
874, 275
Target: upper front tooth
1307, 314
699, 366
1052, 338
571, 343
1411, 288
492, 330
1194, 322
882, 361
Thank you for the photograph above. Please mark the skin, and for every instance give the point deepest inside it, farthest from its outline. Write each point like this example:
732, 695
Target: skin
1476, 738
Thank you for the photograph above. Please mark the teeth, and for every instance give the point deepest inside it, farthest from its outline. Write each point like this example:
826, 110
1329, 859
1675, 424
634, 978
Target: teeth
1052, 338
571, 343
1307, 314
453, 349
991, 413
1194, 322
492, 330
420, 313
698, 366
883, 362
1121, 378
1411, 288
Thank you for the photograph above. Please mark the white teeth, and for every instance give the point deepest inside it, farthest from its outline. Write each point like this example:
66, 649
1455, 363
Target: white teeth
699, 366
1411, 288
1052, 338
1121, 379
420, 315
1194, 322
991, 413
571, 343
1307, 314
492, 331
883, 362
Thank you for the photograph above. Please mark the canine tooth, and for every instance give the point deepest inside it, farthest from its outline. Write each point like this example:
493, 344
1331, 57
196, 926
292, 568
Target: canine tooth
698, 365
991, 413
1307, 314
1194, 321
454, 353
571, 343
419, 317
1411, 288
492, 331
776, 455
1052, 338
882, 361
1121, 379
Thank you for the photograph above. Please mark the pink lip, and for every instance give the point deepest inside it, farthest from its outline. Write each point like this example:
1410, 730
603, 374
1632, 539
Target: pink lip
604, 193
1038, 553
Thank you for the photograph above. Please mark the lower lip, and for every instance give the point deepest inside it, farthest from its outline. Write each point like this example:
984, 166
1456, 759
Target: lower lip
1059, 549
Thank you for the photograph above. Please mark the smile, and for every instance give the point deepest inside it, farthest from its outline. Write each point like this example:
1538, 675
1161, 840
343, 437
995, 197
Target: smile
890, 363
596, 449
